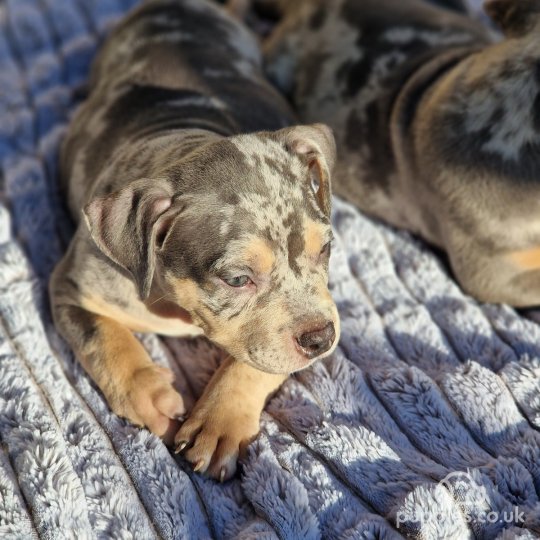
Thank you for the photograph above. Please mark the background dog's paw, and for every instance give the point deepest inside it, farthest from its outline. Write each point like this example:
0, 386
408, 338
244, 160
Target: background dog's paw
150, 400
215, 435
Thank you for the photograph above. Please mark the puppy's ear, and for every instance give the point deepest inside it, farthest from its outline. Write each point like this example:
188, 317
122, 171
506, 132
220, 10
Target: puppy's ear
316, 146
130, 224
515, 17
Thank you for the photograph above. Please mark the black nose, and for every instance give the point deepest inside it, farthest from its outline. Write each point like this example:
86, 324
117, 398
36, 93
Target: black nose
316, 342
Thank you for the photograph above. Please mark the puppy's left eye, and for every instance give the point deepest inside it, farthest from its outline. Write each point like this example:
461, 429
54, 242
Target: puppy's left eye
325, 251
237, 281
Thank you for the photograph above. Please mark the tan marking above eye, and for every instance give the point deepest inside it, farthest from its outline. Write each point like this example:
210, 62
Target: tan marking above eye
260, 256
313, 238
526, 259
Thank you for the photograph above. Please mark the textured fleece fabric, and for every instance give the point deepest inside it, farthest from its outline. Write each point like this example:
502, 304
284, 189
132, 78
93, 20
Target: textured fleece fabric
423, 423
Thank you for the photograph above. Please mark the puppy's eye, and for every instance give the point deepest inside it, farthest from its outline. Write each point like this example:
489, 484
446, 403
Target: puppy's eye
326, 249
237, 281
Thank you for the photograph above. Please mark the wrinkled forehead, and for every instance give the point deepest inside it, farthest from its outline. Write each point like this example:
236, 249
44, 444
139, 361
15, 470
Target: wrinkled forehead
256, 206
277, 217
282, 193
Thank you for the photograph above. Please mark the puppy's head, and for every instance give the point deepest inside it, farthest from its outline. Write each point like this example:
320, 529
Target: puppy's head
241, 241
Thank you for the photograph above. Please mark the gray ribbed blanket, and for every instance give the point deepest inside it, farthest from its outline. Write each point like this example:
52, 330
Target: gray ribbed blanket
424, 423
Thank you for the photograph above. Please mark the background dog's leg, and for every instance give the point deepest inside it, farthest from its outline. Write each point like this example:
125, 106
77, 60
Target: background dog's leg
133, 385
226, 418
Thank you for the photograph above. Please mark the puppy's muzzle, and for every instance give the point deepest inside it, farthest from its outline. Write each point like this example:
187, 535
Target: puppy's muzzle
316, 342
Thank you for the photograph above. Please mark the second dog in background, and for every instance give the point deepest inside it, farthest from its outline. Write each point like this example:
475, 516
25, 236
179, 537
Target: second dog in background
436, 124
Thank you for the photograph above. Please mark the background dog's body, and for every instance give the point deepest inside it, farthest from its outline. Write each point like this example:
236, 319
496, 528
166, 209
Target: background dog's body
192, 223
434, 123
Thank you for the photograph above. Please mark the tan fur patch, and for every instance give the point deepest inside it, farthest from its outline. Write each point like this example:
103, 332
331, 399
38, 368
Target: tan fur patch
226, 418
527, 259
121, 352
187, 295
313, 239
112, 363
260, 255
134, 386
226, 333
140, 320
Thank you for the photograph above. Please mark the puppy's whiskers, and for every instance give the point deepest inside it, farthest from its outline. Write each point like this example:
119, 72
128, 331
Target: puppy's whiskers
159, 300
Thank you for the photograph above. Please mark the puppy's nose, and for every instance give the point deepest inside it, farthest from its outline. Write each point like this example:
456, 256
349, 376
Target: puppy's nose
318, 341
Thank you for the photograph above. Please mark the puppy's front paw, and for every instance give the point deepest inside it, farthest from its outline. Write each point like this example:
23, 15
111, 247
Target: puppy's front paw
216, 434
150, 400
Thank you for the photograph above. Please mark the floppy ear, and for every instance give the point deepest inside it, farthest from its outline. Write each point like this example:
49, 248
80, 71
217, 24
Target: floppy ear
515, 17
316, 146
128, 225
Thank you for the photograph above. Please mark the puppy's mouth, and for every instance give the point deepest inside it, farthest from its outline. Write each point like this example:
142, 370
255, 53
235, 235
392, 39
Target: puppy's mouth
293, 363
300, 351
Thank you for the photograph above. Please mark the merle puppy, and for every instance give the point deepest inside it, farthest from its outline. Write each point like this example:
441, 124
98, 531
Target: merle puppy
197, 213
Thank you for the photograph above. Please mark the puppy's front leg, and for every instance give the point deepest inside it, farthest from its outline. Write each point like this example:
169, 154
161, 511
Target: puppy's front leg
135, 387
226, 418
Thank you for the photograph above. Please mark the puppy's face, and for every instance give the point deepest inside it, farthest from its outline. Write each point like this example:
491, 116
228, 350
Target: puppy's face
243, 245
248, 254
